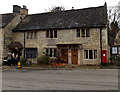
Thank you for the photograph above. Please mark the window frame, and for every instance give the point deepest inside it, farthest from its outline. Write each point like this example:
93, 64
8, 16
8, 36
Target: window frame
32, 55
88, 31
93, 54
52, 52
83, 33
115, 49
31, 35
119, 50
78, 32
51, 34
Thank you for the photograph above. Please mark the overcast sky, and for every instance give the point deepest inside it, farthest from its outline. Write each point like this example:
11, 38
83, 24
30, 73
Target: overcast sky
39, 6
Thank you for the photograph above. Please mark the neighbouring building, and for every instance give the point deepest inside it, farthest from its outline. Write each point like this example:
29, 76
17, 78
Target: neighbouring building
116, 47
75, 36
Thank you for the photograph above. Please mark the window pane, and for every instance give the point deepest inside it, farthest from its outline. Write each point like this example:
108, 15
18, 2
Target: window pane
55, 33
31, 35
95, 54
114, 50
35, 35
47, 51
47, 34
83, 32
90, 54
78, 32
86, 54
50, 52
51, 33
118, 50
55, 52
87, 32
31, 52
27, 35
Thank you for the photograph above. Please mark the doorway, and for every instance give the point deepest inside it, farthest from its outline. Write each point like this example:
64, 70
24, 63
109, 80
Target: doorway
74, 56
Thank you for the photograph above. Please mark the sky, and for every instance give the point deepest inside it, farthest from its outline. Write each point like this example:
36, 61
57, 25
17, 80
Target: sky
40, 6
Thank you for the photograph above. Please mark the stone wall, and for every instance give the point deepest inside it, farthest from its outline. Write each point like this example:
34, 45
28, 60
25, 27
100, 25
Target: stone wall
1, 45
66, 36
8, 34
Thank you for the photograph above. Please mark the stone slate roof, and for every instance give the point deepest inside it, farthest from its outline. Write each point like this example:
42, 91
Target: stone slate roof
87, 17
5, 19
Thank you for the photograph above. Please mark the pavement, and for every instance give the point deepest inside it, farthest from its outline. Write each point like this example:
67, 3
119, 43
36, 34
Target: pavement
5, 68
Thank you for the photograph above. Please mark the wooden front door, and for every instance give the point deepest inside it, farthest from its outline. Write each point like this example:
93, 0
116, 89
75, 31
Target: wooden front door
74, 56
64, 55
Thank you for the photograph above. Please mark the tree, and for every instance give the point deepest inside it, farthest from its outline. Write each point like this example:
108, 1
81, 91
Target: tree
56, 8
114, 14
113, 18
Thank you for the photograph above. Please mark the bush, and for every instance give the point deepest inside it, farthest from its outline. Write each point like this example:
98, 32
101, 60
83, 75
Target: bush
24, 62
43, 60
116, 60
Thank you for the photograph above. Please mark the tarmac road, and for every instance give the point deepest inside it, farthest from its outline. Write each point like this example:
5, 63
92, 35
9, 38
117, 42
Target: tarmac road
99, 79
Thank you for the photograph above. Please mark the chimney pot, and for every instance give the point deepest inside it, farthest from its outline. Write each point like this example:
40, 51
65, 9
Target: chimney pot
24, 10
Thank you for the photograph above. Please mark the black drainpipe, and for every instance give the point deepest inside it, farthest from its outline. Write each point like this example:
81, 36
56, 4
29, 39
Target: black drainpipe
24, 45
101, 43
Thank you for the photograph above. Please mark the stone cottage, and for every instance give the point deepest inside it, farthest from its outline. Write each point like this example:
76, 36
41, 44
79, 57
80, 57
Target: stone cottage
75, 36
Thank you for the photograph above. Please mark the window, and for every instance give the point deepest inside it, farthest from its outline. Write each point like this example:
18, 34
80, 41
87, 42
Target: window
95, 54
28, 35
31, 35
86, 54
31, 53
90, 54
118, 50
55, 52
55, 33
35, 35
114, 50
78, 32
47, 34
87, 32
51, 34
51, 52
83, 32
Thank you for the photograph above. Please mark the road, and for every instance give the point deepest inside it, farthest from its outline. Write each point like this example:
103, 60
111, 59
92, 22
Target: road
60, 79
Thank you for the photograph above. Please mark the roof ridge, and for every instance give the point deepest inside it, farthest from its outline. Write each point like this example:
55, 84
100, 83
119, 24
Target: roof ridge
6, 13
65, 10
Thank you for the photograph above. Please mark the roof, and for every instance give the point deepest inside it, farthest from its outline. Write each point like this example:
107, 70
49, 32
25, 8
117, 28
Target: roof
5, 19
87, 17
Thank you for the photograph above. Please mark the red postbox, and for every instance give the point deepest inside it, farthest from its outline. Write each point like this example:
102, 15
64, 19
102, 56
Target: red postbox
104, 56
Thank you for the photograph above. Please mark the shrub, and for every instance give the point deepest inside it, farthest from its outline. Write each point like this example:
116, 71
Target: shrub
24, 62
116, 60
43, 60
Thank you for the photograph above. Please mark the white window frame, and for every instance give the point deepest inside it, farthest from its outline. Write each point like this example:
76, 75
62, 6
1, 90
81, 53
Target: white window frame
114, 50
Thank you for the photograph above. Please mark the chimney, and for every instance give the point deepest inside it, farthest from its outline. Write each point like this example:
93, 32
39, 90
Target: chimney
16, 9
24, 10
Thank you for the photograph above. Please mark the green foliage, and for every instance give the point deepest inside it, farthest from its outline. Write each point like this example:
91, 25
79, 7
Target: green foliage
43, 60
24, 62
116, 60
56, 8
